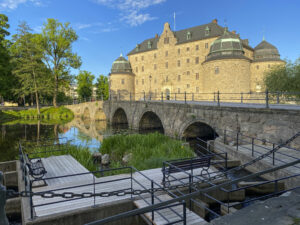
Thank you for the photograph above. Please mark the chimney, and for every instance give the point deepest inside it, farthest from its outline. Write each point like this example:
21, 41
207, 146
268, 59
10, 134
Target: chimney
215, 21
234, 32
156, 35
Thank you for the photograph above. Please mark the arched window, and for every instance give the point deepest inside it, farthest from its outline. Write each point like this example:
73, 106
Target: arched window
149, 44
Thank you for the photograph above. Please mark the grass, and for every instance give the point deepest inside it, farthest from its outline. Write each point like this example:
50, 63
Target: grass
148, 151
51, 114
81, 154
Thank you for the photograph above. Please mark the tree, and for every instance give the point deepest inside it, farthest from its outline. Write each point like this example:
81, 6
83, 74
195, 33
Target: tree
31, 72
7, 81
284, 78
57, 40
102, 90
85, 84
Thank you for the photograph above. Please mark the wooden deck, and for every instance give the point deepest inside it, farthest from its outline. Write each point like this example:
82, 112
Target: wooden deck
67, 165
169, 215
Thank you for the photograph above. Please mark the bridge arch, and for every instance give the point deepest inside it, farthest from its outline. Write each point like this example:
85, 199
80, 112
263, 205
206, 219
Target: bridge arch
150, 122
119, 119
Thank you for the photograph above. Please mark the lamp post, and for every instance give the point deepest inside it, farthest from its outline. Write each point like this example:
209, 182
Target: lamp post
150, 78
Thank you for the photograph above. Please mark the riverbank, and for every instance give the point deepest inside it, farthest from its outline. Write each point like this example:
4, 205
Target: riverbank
49, 114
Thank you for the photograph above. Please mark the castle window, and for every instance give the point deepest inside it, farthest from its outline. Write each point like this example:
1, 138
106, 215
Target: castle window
187, 49
142, 57
142, 68
166, 40
207, 31
188, 36
154, 66
123, 81
142, 81
136, 69
197, 89
178, 90
166, 54
188, 73
178, 51
217, 71
206, 45
136, 59
197, 76
137, 82
178, 78
167, 79
197, 47
167, 65
257, 67
154, 55
178, 63
188, 86
187, 60
197, 60
149, 44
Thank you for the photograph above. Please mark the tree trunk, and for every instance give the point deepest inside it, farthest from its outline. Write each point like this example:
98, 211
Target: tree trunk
55, 91
36, 96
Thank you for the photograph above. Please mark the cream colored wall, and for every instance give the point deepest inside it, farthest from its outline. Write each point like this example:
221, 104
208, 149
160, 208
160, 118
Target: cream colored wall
258, 70
125, 89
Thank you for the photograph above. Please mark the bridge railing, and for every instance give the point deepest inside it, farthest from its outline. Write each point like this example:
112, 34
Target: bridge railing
263, 98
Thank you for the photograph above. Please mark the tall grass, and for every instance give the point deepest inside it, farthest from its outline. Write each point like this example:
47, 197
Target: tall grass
148, 151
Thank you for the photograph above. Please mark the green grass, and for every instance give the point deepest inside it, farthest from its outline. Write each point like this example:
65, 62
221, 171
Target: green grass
296, 221
81, 154
148, 151
51, 115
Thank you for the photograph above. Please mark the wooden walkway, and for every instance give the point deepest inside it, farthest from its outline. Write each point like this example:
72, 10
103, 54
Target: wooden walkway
169, 215
67, 165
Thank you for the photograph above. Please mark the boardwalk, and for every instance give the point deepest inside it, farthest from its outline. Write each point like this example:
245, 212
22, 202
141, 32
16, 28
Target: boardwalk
63, 165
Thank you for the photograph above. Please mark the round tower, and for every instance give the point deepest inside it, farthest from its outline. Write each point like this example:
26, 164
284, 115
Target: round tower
121, 79
265, 57
226, 68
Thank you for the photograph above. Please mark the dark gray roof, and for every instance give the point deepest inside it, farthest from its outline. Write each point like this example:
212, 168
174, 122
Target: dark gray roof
216, 57
121, 65
196, 33
265, 51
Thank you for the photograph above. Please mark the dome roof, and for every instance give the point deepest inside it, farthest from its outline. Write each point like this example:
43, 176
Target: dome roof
265, 51
226, 46
121, 65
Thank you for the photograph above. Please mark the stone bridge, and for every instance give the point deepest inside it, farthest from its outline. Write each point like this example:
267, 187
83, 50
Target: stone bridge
195, 120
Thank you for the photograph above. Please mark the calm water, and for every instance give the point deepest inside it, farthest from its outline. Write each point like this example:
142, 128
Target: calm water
84, 133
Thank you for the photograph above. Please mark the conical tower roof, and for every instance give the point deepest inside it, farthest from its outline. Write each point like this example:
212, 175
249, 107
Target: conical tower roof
265, 51
121, 65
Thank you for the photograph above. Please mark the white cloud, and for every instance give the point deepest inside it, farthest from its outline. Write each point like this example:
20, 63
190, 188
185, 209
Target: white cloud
131, 9
13, 4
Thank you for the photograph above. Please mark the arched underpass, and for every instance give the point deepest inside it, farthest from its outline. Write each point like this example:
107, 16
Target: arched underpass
150, 122
119, 120
201, 131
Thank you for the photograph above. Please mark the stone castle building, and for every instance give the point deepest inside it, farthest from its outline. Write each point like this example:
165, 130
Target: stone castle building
202, 59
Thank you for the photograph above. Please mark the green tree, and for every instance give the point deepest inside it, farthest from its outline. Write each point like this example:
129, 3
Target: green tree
85, 84
7, 81
57, 40
102, 86
284, 78
31, 72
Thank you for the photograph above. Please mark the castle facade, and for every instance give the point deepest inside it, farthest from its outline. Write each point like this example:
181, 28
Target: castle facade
202, 59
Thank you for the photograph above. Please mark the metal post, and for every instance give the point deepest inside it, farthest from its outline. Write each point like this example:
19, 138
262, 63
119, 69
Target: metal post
225, 136
119, 95
190, 188
150, 96
237, 141
162, 96
152, 200
267, 99
252, 146
241, 97
273, 155
144, 96
192, 96
3, 218
130, 96
185, 97
131, 182
94, 190
218, 96
214, 96
31, 202
226, 158
277, 97
184, 212
175, 96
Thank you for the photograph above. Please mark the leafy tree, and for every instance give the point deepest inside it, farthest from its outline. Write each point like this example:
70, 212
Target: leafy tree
85, 84
57, 40
7, 81
31, 72
284, 78
102, 90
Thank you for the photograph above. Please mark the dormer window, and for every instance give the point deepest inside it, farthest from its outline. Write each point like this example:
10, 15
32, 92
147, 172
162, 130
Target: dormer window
188, 36
149, 44
137, 47
207, 31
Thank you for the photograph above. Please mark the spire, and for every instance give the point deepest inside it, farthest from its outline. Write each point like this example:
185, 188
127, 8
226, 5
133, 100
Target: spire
121, 55
263, 37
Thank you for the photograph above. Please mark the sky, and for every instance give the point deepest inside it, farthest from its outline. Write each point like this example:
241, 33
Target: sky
107, 28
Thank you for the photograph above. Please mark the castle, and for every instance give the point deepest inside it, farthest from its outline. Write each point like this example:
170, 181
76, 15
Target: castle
202, 59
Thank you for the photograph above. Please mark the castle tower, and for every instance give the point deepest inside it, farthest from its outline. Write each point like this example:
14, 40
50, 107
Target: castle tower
265, 57
121, 79
226, 68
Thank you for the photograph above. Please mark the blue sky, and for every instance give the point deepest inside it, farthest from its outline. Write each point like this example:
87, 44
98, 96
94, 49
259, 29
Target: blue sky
108, 27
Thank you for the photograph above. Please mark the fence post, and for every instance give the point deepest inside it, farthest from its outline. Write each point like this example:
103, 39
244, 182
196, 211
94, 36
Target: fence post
225, 136
162, 96
273, 155
144, 96
185, 97
267, 99
152, 200
119, 96
150, 96
184, 212
252, 146
3, 218
192, 96
237, 141
214, 96
218, 96
130, 96
241, 97
175, 96
277, 97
